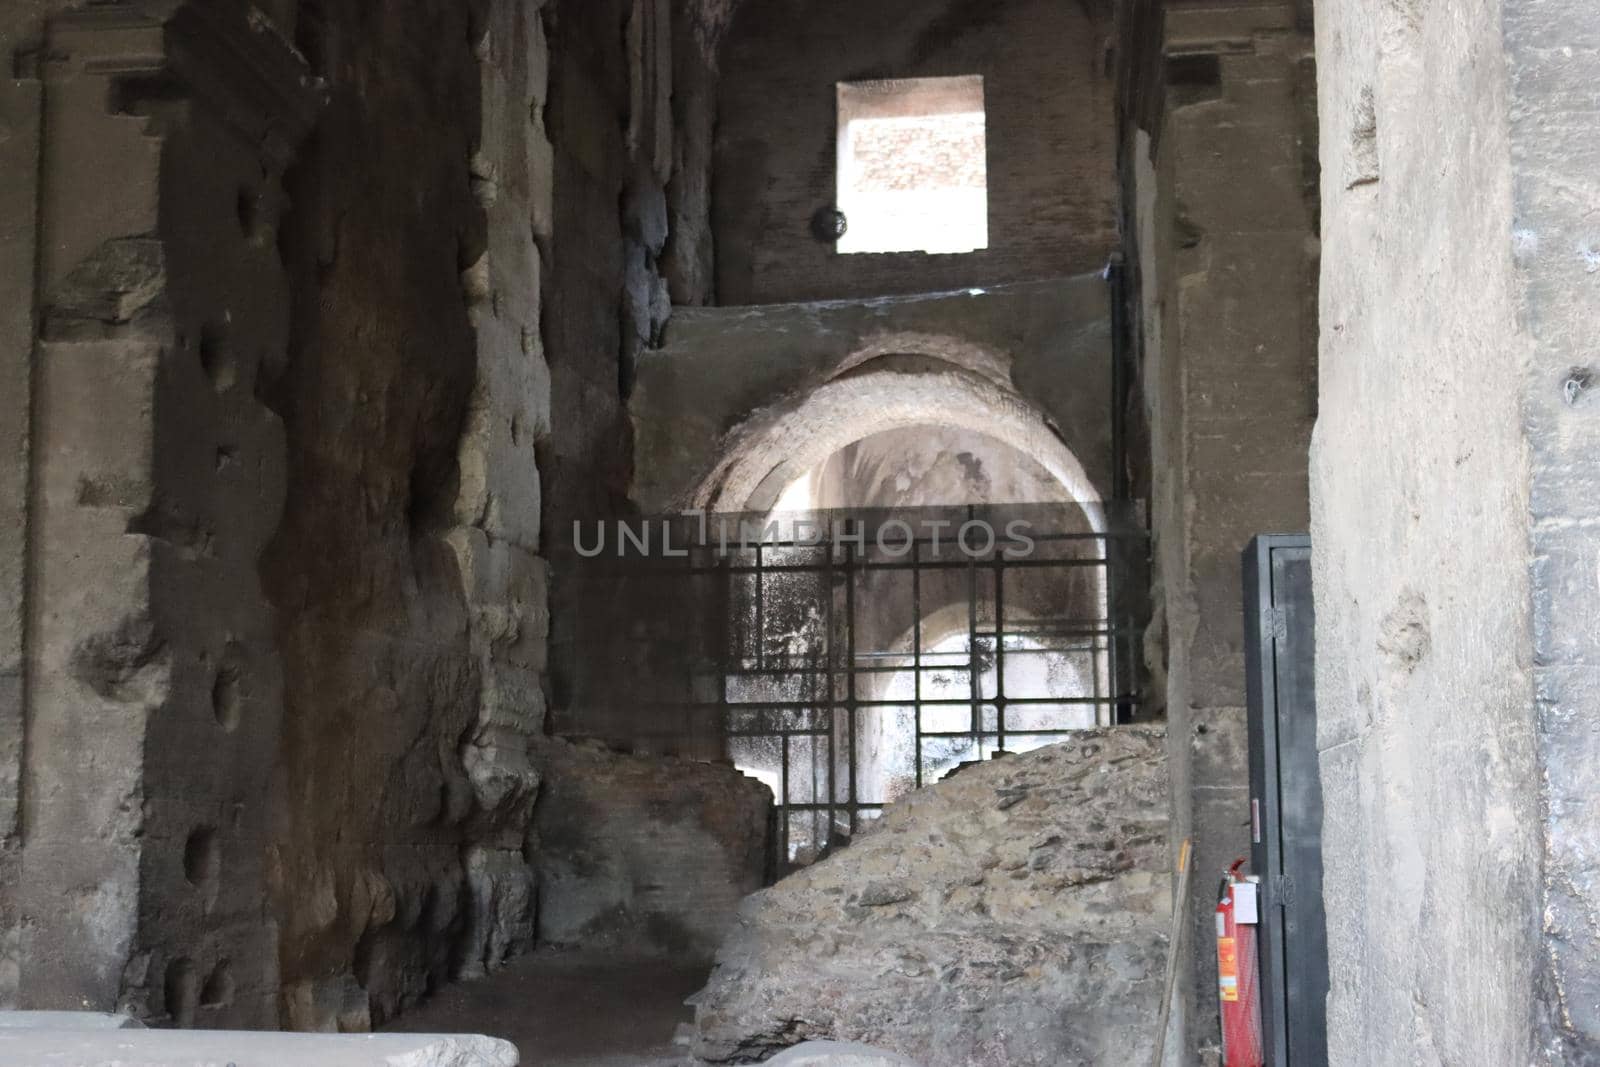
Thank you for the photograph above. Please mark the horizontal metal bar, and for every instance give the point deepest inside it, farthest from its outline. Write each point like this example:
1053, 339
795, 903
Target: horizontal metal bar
994, 735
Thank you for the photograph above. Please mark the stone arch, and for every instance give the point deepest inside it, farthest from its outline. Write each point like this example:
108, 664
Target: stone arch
772, 447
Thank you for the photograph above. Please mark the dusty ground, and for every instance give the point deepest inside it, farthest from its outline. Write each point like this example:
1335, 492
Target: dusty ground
572, 1009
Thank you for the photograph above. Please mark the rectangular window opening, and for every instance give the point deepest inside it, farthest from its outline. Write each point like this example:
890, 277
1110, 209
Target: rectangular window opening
913, 165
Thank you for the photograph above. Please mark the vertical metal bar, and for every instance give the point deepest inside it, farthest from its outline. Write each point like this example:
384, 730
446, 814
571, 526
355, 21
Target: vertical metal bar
726, 650
829, 697
916, 649
1116, 291
1123, 373
1105, 713
783, 801
761, 604
974, 679
850, 668
700, 745
1108, 581
1000, 650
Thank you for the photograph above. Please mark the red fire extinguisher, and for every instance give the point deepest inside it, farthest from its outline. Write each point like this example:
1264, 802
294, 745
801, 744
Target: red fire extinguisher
1238, 982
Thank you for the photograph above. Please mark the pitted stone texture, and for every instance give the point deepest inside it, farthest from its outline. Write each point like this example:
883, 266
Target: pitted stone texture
153, 686
643, 852
1013, 915
498, 494
411, 597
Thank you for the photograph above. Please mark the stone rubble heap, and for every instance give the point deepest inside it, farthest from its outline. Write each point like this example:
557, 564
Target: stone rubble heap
1015, 914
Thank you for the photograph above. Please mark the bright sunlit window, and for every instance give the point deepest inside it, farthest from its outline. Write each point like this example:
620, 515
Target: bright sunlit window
913, 174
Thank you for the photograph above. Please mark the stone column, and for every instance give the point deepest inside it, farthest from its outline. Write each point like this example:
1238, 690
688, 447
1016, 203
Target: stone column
497, 510
1455, 508
157, 478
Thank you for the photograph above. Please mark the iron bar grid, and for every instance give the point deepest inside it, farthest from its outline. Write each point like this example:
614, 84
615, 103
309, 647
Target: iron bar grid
820, 666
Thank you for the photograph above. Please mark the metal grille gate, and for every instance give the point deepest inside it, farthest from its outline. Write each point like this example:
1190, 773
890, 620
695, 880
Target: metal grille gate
846, 658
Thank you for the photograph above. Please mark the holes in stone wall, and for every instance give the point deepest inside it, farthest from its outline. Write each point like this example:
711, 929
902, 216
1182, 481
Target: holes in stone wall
217, 357
202, 857
1194, 70
227, 690
1363, 162
218, 990
182, 991
253, 221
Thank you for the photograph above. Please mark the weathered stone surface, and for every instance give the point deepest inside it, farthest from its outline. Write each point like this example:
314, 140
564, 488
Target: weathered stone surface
837, 1054
645, 852
1454, 522
290, 600
1224, 216
406, 572
498, 496
1012, 915
1038, 350
610, 114
157, 478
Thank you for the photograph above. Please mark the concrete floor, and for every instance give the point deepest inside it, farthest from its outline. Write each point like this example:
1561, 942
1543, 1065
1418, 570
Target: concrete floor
572, 1009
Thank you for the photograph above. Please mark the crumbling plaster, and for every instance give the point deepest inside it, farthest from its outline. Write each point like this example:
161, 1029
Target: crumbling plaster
930, 466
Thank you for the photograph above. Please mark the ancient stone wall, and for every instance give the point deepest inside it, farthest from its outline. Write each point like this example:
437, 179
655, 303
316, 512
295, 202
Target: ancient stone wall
717, 369
632, 96
1050, 133
644, 854
20, 28
410, 596
285, 643
156, 478
1454, 510
1223, 229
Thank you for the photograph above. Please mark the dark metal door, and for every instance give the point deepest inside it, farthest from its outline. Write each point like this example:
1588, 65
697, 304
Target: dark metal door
1286, 798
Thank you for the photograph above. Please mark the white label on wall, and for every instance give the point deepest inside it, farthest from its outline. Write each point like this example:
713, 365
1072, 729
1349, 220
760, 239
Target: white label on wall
1244, 902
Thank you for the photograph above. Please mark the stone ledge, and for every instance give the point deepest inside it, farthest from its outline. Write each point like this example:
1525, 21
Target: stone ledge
67, 1020
211, 1048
